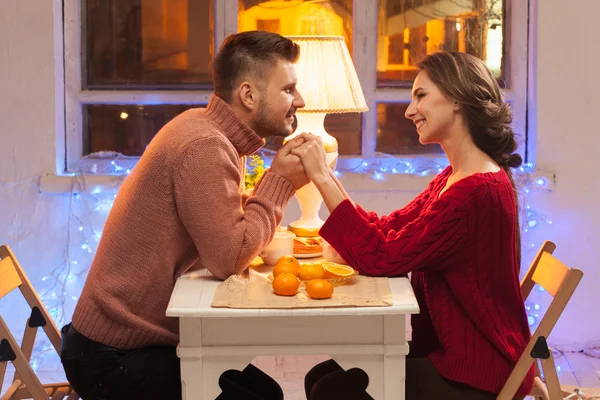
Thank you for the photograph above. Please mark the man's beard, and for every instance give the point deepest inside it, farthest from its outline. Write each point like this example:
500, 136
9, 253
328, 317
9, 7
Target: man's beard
265, 125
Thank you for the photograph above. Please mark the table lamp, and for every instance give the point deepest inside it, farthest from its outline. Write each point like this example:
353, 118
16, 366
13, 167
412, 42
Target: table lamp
328, 82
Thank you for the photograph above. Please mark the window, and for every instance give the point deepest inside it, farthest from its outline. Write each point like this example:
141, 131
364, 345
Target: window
132, 65
408, 30
147, 44
125, 128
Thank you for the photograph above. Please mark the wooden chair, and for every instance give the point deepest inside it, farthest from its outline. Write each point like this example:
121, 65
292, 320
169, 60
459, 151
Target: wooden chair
26, 384
560, 281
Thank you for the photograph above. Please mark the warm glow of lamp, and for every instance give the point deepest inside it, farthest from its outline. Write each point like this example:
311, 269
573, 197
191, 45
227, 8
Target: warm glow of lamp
328, 82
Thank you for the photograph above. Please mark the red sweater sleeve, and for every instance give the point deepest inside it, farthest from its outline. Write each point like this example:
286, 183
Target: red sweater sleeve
398, 218
420, 245
408, 213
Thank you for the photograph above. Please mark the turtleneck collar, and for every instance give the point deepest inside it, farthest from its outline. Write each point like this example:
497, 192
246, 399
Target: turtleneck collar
243, 138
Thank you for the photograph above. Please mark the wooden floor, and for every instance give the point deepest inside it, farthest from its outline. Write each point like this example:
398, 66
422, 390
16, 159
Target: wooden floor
580, 370
576, 370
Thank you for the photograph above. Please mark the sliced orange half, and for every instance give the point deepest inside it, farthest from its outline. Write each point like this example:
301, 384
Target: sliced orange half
334, 270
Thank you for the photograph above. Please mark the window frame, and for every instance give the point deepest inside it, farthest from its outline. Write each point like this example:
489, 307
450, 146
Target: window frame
365, 17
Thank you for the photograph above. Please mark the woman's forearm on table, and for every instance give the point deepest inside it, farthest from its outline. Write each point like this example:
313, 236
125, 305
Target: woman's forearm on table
331, 190
339, 185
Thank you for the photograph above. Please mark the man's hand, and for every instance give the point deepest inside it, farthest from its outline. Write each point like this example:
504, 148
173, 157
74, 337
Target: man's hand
288, 165
313, 157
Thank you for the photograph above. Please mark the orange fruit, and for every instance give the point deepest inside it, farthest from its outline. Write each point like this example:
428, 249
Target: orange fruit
319, 289
334, 270
310, 271
286, 264
286, 284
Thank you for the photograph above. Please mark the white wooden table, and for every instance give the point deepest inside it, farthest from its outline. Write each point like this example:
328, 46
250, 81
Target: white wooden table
213, 340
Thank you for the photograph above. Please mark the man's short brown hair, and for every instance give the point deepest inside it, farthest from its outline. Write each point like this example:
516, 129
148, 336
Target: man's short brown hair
249, 53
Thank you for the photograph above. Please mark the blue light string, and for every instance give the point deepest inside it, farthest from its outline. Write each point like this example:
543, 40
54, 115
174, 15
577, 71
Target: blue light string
65, 282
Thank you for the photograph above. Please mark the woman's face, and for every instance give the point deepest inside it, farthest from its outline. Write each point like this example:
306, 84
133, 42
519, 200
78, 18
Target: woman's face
432, 112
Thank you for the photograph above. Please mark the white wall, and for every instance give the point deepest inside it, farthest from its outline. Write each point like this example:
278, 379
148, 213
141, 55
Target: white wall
567, 144
35, 224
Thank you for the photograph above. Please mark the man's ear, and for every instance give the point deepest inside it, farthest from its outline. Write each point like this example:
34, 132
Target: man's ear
248, 95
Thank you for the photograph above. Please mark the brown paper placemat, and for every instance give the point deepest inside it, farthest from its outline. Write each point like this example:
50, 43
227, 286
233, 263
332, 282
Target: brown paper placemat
254, 291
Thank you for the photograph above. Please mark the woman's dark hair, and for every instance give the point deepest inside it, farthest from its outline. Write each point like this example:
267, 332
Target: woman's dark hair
468, 81
249, 53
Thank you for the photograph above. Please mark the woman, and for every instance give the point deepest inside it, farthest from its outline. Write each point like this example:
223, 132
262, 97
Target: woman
459, 238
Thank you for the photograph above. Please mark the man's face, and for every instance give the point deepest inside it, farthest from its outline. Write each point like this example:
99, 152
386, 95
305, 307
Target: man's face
278, 102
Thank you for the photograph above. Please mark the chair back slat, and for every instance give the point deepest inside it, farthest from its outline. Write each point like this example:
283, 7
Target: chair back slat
9, 277
526, 283
550, 273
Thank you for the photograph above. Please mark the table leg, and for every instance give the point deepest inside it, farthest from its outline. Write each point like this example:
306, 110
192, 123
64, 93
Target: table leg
191, 373
394, 367
395, 349
189, 352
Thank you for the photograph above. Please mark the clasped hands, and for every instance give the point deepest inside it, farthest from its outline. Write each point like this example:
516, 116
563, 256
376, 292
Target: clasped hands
301, 160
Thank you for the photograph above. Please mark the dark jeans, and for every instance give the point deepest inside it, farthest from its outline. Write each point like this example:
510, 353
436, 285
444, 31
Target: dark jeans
423, 382
99, 372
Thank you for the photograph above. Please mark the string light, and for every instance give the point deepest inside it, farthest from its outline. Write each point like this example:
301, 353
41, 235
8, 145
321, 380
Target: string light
61, 288
88, 209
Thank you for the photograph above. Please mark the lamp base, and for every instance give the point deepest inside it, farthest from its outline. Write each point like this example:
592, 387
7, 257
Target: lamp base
306, 228
309, 198
310, 201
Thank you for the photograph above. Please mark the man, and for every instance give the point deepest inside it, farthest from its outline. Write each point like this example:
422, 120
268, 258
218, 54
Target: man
182, 208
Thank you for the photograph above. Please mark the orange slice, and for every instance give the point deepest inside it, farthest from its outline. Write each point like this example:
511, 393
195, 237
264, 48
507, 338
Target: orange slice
334, 270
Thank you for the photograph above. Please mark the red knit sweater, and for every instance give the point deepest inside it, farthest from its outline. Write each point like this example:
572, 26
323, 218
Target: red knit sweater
460, 247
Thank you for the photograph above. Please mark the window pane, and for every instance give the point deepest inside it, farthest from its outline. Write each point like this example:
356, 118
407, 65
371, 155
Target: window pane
126, 129
146, 44
409, 30
397, 134
347, 129
299, 17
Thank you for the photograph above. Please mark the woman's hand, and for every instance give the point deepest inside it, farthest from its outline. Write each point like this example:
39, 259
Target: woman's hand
312, 154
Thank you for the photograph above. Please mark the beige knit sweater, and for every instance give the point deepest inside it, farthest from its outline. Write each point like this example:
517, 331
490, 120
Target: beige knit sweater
181, 208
